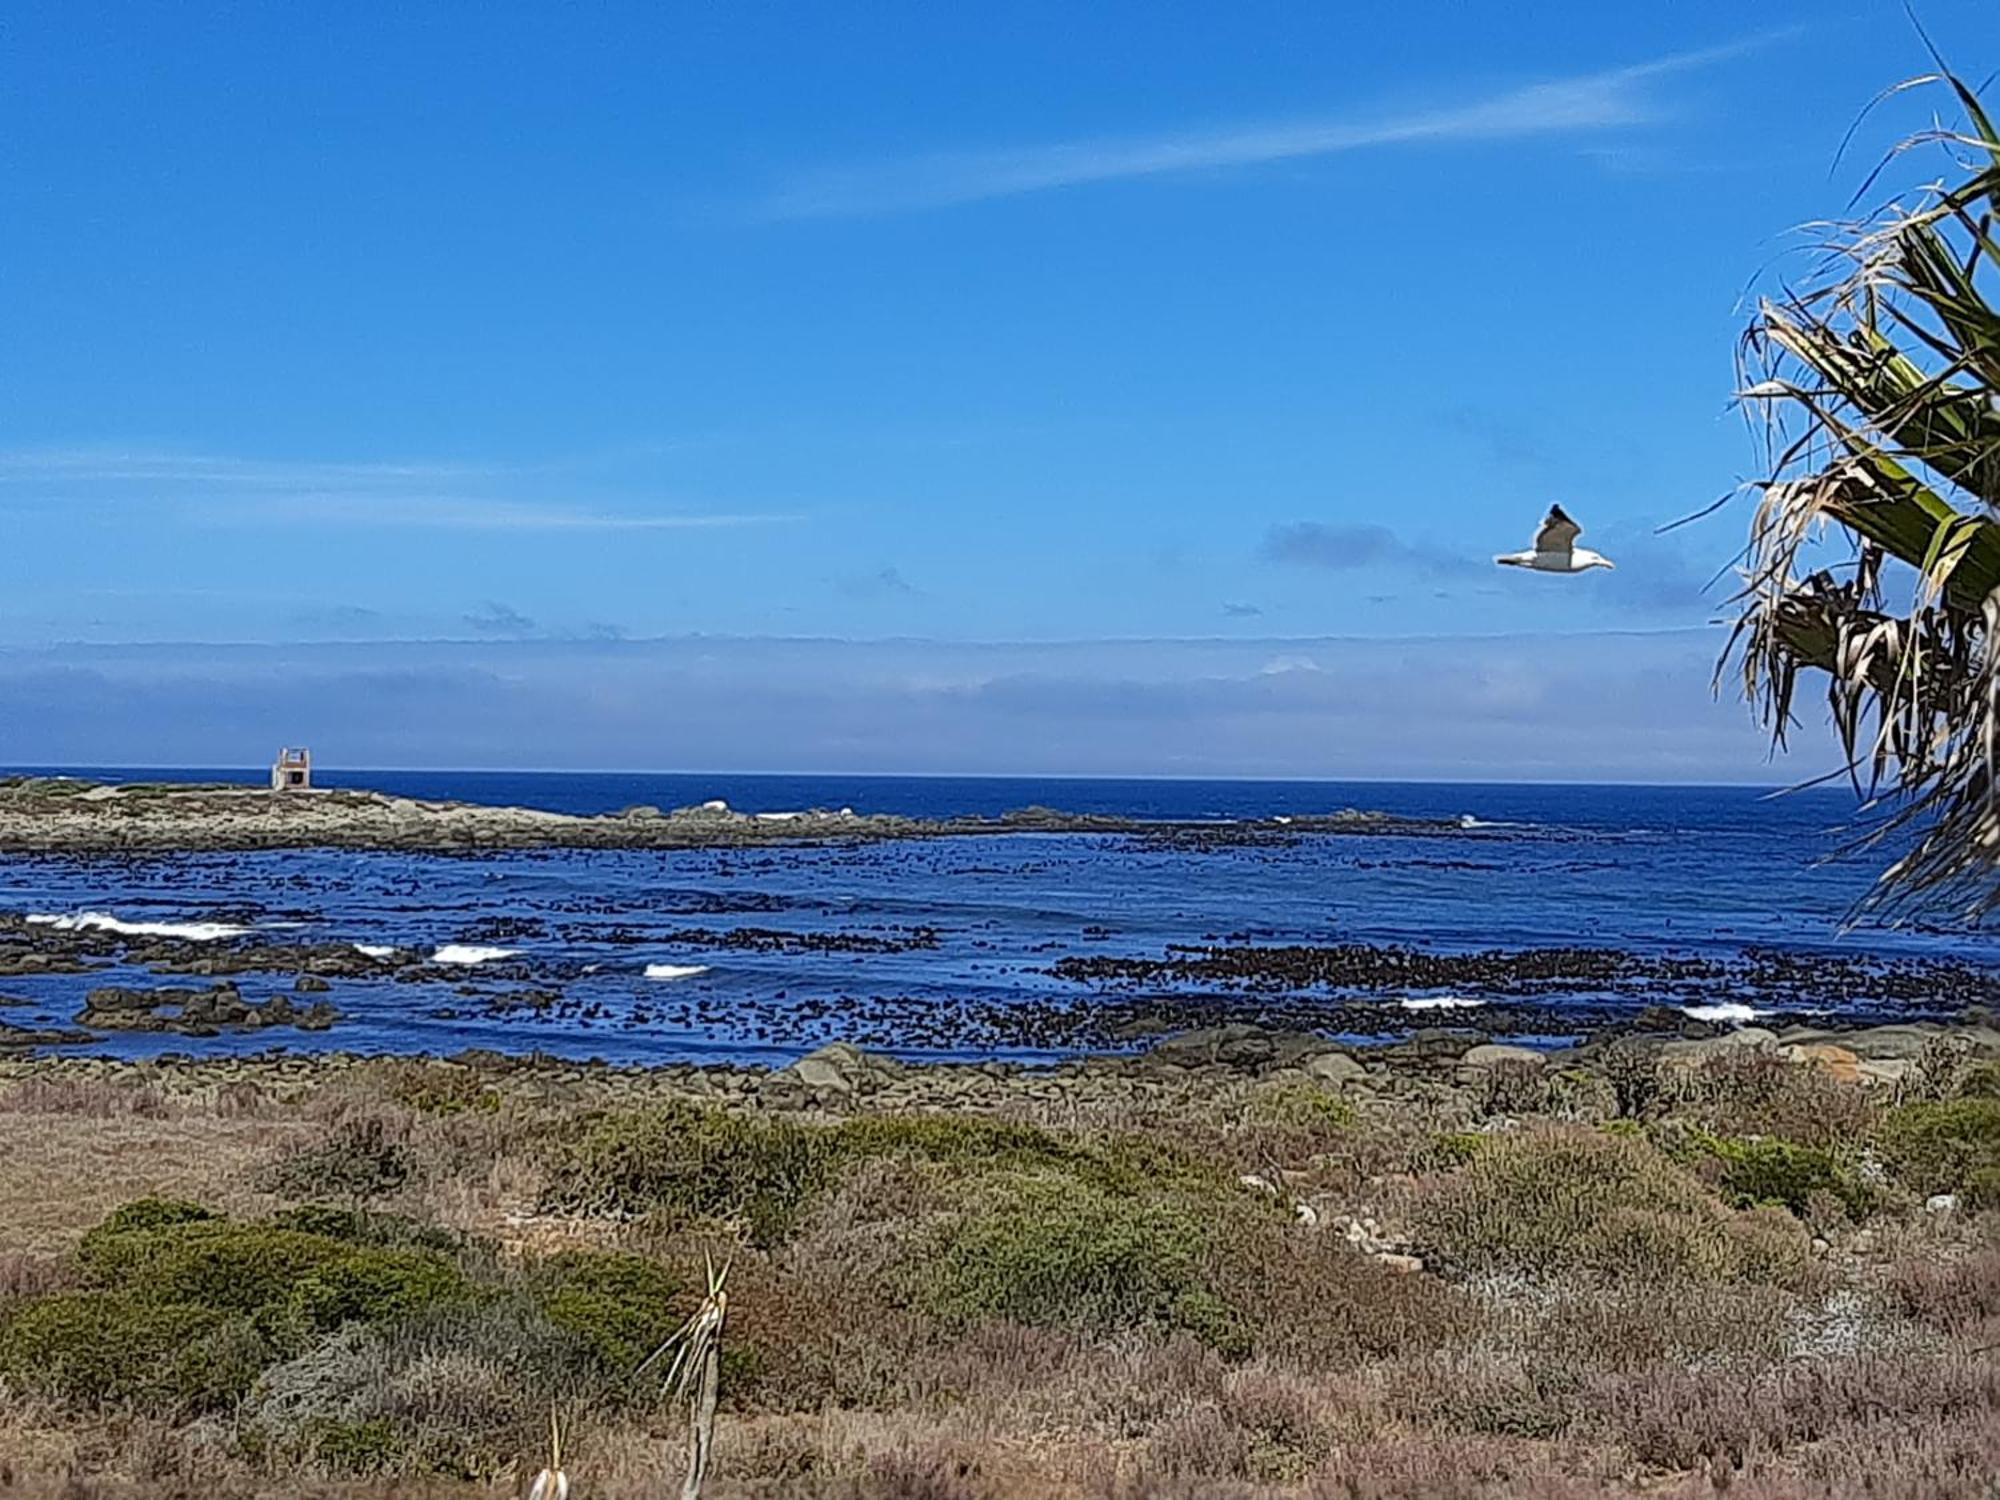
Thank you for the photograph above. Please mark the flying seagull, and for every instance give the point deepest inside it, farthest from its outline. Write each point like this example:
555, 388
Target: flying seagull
1555, 549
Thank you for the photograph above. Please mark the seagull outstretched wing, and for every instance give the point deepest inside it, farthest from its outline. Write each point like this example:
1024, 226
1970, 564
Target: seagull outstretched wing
1558, 533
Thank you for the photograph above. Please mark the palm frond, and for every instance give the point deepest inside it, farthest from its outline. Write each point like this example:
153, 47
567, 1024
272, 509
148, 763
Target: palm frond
1876, 389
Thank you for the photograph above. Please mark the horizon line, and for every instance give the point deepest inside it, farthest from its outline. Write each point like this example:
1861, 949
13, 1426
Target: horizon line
261, 770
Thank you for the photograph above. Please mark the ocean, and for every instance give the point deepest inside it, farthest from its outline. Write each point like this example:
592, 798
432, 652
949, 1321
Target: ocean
1001, 946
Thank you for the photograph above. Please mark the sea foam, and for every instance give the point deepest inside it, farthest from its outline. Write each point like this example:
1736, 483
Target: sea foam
1735, 1012
1438, 1002
195, 932
675, 971
469, 953
375, 950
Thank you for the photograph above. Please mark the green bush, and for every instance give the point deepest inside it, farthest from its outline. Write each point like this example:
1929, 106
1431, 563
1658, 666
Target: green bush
690, 1163
361, 1227
103, 1349
1761, 1170
1575, 1200
210, 1262
295, 1283
1053, 1249
1303, 1107
152, 1213
1949, 1146
365, 1447
368, 1284
622, 1307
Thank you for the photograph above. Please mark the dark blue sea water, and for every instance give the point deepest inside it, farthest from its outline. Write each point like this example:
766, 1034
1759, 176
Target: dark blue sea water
970, 928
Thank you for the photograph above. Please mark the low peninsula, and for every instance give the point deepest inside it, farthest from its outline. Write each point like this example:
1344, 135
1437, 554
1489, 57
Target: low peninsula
69, 815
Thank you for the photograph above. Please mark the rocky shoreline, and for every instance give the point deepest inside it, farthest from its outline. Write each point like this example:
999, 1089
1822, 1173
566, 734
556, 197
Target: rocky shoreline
64, 815
1591, 1080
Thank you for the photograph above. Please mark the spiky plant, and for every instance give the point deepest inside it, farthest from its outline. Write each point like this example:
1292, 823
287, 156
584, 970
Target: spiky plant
552, 1483
1874, 387
694, 1373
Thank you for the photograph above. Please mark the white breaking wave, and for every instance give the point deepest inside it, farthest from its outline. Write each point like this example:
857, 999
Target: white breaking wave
1466, 820
375, 950
1733, 1011
197, 932
1438, 1002
469, 953
675, 971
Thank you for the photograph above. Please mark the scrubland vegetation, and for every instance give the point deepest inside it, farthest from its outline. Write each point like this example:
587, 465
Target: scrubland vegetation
1758, 1279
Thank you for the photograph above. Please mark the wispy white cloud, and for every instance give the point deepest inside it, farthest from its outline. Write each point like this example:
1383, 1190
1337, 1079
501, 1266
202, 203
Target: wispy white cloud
93, 466
1610, 99
218, 490
461, 513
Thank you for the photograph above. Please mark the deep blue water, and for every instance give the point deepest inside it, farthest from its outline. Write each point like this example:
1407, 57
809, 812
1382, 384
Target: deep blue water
1681, 870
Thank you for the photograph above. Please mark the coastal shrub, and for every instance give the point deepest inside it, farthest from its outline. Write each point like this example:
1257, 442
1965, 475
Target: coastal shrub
1515, 1087
152, 1213
621, 1307
689, 1163
1752, 1170
367, 1284
1450, 1148
1292, 1120
362, 1159
363, 1227
433, 1087
293, 1282
1633, 1072
461, 1390
1946, 1146
1567, 1199
1049, 1248
105, 1349
1981, 1082
1310, 1300
950, 1139
1955, 1294
686, 1163
211, 1263
1755, 1091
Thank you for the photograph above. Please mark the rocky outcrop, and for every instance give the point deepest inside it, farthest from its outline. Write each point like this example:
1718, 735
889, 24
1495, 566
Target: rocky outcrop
63, 815
197, 1012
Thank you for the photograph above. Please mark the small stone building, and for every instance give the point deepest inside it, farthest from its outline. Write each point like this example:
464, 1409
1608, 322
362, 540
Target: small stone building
292, 771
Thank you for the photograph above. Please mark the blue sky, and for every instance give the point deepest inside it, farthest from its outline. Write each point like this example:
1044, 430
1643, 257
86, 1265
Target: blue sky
898, 341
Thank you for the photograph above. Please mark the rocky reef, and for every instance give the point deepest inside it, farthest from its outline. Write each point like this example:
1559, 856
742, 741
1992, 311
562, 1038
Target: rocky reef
71, 816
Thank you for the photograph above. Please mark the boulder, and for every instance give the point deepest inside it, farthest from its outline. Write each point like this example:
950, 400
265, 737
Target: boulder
1336, 1069
1890, 1043
1884, 1072
1838, 1061
1241, 1045
1693, 1053
841, 1068
1433, 1046
1493, 1054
